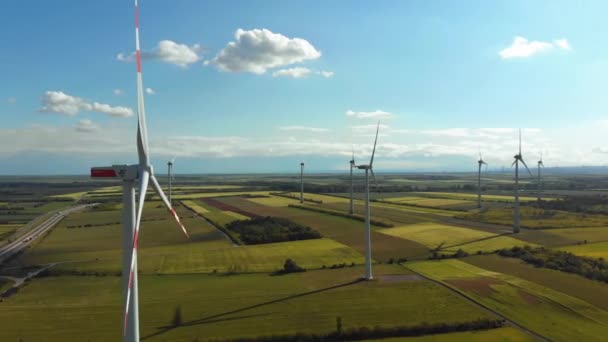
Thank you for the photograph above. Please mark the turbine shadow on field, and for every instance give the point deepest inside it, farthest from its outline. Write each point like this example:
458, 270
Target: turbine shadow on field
218, 317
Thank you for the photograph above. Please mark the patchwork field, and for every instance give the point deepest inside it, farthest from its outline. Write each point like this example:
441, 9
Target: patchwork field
506, 334
429, 202
451, 238
469, 196
551, 313
303, 302
534, 218
592, 250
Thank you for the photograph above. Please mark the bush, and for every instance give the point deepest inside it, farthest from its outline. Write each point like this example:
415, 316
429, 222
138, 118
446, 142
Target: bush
290, 266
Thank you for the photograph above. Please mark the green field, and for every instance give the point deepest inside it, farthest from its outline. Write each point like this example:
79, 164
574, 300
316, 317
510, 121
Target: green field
535, 218
506, 334
196, 206
452, 238
227, 306
274, 201
551, 313
592, 250
429, 202
484, 197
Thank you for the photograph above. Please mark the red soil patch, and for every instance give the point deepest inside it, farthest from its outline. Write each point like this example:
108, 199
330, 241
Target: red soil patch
226, 207
479, 286
528, 297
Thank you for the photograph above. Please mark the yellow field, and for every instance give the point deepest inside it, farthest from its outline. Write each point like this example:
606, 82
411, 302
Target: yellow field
235, 215
195, 206
452, 238
430, 202
274, 201
216, 194
592, 250
205, 187
459, 195
505, 334
74, 195
324, 198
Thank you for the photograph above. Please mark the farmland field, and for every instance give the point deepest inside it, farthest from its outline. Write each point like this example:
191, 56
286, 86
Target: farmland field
506, 334
451, 238
469, 196
303, 302
592, 250
535, 218
551, 313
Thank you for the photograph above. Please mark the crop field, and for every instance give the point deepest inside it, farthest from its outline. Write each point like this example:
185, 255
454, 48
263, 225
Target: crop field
302, 302
215, 194
535, 218
592, 250
429, 202
317, 197
274, 201
451, 238
196, 206
505, 334
551, 313
484, 197
591, 291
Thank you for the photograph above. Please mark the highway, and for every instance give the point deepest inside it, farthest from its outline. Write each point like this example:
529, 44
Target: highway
31, 236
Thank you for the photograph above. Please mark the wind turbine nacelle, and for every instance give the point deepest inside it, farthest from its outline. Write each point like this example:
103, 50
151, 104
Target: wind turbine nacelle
115, 171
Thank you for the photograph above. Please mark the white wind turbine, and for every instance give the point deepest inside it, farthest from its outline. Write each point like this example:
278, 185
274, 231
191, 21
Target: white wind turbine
518, 158
539, 164
141, 173
302, 182
170, 176
480, 162
351, 207
368, 232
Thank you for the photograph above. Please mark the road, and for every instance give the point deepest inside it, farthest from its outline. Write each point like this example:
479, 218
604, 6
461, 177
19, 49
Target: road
31, 236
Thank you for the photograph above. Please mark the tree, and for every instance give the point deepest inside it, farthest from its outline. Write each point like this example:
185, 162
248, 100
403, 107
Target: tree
290, 266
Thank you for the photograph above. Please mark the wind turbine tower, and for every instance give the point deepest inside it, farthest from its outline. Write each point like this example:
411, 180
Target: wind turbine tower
170, 177
302, 182
140, 173
368, 232
351, 207
480, 162
516, 214
540, 164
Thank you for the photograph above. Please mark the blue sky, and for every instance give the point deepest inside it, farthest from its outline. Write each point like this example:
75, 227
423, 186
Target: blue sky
260, 85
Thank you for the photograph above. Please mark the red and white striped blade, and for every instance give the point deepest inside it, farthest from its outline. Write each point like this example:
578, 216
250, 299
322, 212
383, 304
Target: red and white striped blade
143, 187
160, 193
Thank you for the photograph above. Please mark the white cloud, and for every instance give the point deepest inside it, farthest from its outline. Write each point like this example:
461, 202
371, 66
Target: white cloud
150, 91
258, 50
522, 47
168, 51
11, 100
86, 126
62, 103
118, 92
297, 72
377, 114
326, 74
303, 128
562, 44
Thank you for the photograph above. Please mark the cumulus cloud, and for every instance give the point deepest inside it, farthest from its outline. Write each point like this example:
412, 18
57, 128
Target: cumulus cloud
86, 126
377, 114
150, 91
297, 72
258, 50
118, 92
168, 51
303, 128
62, 103
522, 47
326, 74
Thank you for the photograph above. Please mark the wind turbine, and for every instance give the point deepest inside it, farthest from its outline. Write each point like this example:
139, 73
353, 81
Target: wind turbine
368, 232
302, 182
170, 176
141, 173
351, 207
539, 164
518, 158
480, 162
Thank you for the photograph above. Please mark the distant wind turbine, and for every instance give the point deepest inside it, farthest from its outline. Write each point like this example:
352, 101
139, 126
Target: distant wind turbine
480, 162
351, 207
368, 232
141, 173
170, 176
539, 165
518, 158
302, 182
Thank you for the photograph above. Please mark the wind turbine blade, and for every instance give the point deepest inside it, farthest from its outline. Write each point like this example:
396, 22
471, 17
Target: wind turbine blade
143, 188
371, 162
160, 193
523, 162
514, 163
142, 130
353, 160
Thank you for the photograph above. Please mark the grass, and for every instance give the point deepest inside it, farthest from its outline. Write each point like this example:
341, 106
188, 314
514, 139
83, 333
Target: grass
551, 313
226, 306
5, 284
592, 250
588, 290
74, 195
535, 218
505, 334
452, 238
